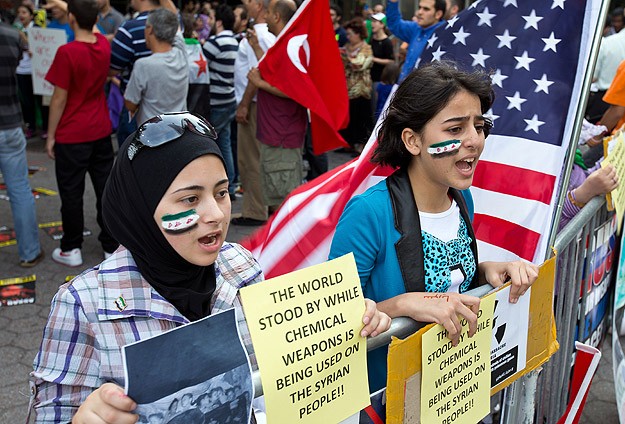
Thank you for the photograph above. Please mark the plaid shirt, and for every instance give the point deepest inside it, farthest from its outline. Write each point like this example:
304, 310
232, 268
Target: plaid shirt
108, 307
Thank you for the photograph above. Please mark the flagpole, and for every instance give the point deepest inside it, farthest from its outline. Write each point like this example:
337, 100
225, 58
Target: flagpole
577, 126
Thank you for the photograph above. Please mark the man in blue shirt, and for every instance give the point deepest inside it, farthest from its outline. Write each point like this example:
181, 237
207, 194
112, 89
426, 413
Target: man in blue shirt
428, 17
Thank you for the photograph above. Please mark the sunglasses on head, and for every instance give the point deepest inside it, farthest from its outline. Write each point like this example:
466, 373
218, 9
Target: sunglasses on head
167, 127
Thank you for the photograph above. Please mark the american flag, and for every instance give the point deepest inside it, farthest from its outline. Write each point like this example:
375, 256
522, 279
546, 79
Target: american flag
532, 49
538, 53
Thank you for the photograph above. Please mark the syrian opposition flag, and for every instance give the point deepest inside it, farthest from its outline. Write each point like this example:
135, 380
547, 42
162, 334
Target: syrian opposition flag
198, 65
305, 64
539, 53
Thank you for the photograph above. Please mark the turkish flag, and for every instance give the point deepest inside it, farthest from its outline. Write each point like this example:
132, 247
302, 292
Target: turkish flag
305, 64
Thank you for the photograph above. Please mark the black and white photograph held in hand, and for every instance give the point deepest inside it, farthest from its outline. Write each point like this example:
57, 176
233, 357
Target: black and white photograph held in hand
195, 374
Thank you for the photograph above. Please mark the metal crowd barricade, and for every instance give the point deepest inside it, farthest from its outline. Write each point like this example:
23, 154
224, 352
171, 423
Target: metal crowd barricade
573, 261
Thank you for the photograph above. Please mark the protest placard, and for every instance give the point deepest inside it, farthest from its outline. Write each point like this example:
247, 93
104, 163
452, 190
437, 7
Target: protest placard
404, 357
508, 353
55, 229
194, 374
305, 327
7, 236
614, 152
455, 387
43, 44
17, 290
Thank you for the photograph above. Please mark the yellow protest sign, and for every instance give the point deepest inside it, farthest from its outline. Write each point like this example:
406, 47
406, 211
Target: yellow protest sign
405, 370
305, 327
455, 387
616, 157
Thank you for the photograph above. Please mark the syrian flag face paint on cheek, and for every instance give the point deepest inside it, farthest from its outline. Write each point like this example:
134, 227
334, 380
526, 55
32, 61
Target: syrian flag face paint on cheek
180, 222
448, 146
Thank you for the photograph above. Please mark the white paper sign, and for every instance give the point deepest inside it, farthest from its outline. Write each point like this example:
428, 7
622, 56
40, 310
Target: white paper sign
508, 353
43, 44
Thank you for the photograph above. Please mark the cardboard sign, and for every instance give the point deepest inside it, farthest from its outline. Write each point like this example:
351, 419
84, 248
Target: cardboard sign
17, 291
43, 44
456, 379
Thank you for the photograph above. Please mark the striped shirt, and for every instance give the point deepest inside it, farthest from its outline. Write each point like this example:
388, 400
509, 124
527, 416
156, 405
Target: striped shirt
221, 52
10, 54
110, 306
128, 46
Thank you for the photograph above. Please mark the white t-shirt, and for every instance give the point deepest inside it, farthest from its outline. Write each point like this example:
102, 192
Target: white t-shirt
444, 226
246, 59
611, 54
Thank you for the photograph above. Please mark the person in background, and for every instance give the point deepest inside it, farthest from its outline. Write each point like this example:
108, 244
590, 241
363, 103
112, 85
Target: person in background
383, 53
190, 7
59, 19
198, 97
378, 8
109, 19
13, 164
79, 138
240, 22
221, 51
615, 23
28, 100
389, 77
202, 25
336, 14
127, 47
428, 17
357, 60
253, 211
282, 122
453, 8
433, 134
584, 184
613, 118
240, 26
159, 83
611, 54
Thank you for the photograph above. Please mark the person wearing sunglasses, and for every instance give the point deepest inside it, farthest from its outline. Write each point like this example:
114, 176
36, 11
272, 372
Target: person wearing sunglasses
167, 203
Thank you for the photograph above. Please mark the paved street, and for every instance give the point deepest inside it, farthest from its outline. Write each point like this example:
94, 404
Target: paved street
21, 326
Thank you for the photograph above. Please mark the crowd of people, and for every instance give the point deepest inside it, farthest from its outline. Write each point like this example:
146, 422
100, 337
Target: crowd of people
135, 75
202, 58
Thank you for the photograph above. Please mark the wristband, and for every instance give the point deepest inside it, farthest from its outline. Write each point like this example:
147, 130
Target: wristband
573, 200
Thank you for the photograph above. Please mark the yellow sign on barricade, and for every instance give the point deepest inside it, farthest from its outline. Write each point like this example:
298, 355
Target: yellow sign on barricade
405, 369
456, 379
614, 148
305, 327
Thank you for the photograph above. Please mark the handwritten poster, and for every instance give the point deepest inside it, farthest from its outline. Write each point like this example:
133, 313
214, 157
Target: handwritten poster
616, 157
43, 44
305, 327
455, 387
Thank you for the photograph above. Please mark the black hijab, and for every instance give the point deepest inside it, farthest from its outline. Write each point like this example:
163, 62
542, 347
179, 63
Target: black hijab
133, 191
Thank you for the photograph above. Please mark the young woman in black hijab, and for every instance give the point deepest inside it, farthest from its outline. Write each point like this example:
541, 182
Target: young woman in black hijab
167, 204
